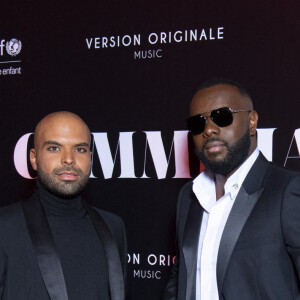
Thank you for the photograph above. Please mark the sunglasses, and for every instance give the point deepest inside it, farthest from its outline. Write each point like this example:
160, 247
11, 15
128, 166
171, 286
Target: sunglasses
222, 117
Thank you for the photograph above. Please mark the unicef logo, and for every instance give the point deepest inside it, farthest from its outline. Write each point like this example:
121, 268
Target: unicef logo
13, 47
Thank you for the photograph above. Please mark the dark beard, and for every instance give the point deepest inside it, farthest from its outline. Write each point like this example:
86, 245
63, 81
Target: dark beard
236, 155
64, 189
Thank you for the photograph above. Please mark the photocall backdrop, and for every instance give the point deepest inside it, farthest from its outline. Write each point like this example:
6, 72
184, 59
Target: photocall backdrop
129, 69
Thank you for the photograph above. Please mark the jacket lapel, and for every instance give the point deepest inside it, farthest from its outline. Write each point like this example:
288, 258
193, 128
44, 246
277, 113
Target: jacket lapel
242, 208
190, 245
43, 243
48, 260
115, 274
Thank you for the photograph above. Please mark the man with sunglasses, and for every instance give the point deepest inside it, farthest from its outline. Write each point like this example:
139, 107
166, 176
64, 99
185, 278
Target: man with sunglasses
238, 222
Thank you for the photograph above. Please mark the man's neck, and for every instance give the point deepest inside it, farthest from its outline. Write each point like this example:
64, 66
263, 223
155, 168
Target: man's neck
59, 206
220, 179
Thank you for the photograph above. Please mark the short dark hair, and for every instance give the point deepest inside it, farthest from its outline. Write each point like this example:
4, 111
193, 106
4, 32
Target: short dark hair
218, 81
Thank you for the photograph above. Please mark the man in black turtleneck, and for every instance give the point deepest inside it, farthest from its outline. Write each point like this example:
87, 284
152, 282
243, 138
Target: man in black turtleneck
54, 245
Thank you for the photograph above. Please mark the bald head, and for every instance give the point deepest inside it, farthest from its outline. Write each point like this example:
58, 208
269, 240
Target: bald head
59, 119
224, 81
61, 154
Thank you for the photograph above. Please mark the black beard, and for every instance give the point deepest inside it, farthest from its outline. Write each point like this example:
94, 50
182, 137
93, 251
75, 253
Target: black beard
65, 189
236, 155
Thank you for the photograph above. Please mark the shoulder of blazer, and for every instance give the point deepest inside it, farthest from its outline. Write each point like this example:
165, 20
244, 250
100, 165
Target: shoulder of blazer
12, 223
282, 172
255, 177
11, 214
185, 197
264, 173
114, 223
109, 218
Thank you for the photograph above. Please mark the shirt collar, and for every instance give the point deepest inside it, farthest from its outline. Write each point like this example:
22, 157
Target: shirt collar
235, 181
204, 185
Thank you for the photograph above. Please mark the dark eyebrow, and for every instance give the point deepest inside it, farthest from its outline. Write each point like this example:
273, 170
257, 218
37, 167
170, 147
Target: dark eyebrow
82, 145
51, 143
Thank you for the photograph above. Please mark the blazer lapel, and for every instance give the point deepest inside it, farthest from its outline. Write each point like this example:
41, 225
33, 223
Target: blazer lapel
190, 245
242, 207
48, 260
238, 216
43, 243
115, 274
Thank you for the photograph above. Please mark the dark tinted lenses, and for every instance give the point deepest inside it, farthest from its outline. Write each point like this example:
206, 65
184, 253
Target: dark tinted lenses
196, 124
222, 117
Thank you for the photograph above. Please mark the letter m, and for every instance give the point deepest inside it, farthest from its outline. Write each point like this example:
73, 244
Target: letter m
160, 160
107, 160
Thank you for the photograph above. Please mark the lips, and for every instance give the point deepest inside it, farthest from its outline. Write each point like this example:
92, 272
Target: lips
66, 175
214, 146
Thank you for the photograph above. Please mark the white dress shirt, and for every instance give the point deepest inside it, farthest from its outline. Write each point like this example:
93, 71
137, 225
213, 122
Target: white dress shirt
214, 218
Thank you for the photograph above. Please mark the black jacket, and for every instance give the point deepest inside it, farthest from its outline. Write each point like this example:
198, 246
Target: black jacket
20, 273
259, 253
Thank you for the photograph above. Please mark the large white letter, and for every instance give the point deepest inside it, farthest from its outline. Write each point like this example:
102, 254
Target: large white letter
265, 141
107, 161
296, 136
181, 151
160, 160
126, 155
20, 156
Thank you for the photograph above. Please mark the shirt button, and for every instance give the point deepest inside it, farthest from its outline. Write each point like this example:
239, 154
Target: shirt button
235, 186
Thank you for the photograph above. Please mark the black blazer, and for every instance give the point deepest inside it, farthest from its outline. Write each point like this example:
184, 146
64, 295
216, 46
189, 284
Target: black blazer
259, 253
29, 265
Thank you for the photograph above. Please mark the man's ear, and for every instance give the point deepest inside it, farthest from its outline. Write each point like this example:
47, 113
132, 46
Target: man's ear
253, 119
32, 157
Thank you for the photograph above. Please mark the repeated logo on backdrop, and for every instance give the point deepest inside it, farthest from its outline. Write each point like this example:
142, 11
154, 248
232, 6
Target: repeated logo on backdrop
9, 62
149, 266
151, 46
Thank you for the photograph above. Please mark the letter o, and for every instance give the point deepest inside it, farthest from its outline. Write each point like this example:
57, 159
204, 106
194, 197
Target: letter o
155, 259
129, 40
156, 38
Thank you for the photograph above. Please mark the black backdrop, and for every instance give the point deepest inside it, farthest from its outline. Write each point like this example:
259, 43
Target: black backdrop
136, 104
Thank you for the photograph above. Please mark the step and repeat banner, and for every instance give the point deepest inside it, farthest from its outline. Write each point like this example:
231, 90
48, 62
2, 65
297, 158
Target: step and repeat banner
129, 69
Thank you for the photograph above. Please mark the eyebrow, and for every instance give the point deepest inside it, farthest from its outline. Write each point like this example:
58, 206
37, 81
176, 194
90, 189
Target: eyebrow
51, 143
84, 144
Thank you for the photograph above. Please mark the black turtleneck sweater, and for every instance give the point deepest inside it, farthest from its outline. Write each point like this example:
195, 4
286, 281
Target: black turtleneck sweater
78, 246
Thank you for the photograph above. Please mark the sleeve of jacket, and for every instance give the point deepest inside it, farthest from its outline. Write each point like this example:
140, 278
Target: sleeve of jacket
290, 218
123, 255
2, 261
2, 273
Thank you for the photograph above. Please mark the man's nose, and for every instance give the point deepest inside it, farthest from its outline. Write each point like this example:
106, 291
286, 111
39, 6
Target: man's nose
211, 128
67, 157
